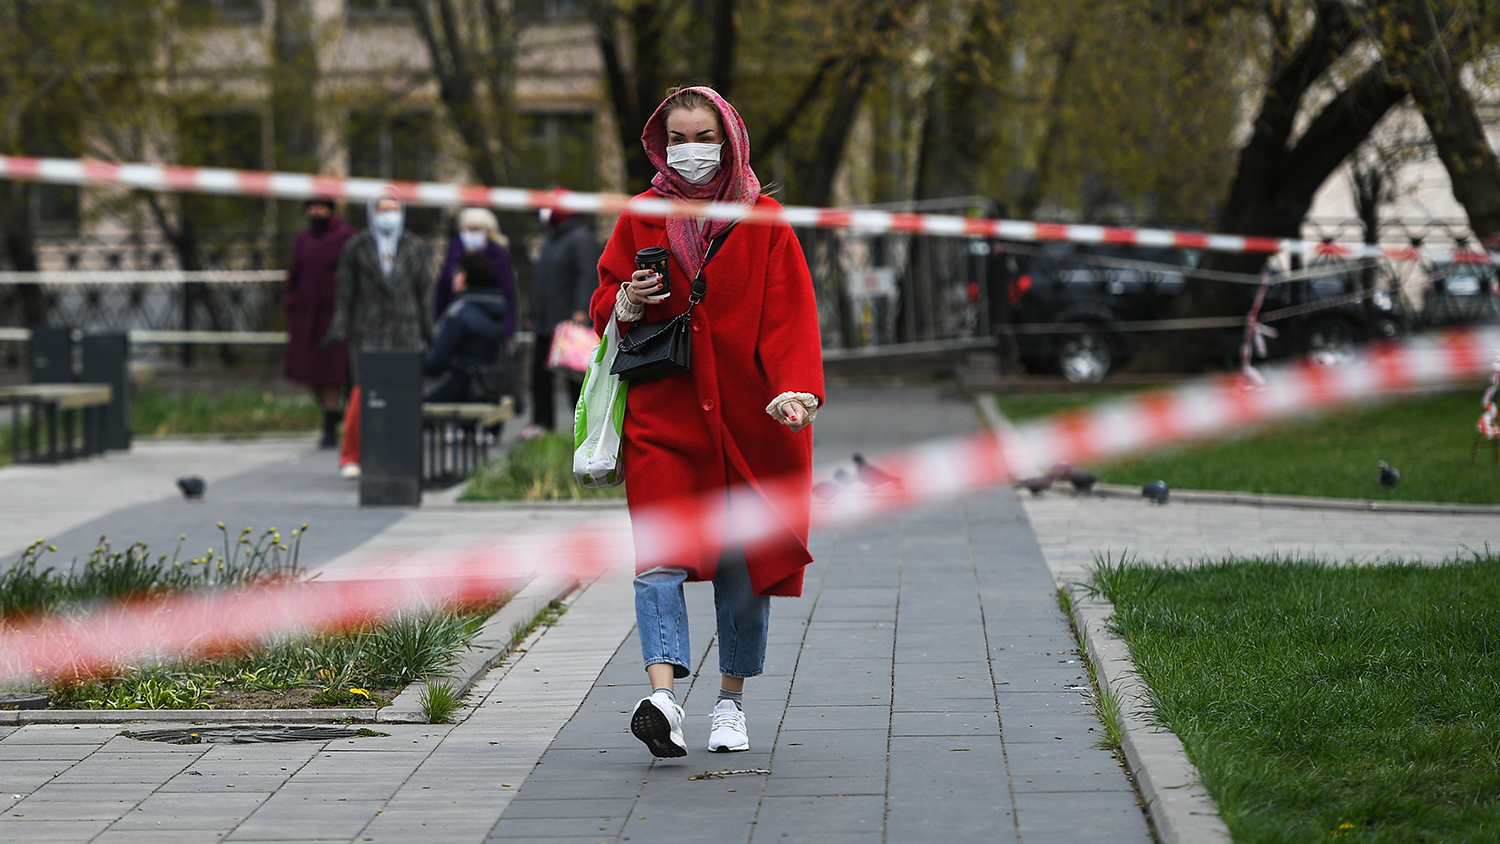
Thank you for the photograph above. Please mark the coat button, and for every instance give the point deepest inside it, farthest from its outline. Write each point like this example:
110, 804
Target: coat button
708, 406
697, 326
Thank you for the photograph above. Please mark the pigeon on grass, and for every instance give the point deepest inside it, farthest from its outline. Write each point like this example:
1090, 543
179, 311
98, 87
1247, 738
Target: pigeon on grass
1389, 476
192, 487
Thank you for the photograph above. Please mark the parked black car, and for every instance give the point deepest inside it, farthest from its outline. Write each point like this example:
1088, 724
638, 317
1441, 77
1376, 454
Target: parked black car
1102, 286
1461, 293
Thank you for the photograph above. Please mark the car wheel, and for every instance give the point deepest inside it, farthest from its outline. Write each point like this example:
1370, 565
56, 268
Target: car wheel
1333, 342
1085, 358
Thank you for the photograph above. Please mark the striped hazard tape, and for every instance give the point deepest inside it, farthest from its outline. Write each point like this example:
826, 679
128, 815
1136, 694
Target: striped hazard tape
199, 624
172, 178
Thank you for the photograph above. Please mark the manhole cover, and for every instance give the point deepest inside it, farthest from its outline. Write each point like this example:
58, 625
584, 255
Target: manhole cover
22, 700
248, 734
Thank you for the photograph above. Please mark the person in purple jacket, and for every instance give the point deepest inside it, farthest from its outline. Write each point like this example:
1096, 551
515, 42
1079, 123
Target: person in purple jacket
311, 294
478, 232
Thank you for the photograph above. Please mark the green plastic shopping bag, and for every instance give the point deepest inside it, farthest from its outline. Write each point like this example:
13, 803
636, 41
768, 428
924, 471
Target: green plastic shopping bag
599, 418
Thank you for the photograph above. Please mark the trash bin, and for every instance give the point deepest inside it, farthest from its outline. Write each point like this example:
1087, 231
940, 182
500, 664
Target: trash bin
50, 355
106, 360
390, 438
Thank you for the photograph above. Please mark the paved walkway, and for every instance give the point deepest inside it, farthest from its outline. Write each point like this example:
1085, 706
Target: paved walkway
925, 688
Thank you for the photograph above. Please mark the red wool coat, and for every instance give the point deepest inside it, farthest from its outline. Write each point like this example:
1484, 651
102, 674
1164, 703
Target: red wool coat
754, 336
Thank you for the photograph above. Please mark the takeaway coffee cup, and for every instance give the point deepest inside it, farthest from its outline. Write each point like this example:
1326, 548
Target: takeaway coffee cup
654, 258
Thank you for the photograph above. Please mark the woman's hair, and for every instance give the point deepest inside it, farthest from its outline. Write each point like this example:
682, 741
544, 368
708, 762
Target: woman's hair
679, 97
479, 273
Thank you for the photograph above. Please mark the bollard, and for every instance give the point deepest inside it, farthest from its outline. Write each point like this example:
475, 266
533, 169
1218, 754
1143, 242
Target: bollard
390, 438
106, 360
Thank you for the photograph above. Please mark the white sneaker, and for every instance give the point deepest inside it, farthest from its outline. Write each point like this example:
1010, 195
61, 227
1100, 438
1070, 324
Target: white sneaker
729, 731
658, 723
349, 470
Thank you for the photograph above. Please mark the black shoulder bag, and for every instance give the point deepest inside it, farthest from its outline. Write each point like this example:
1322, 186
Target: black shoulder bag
654, 350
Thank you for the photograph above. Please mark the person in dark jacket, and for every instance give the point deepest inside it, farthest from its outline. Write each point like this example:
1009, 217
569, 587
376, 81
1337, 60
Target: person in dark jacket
385, 302
567, 273
470, 335
478, 231
311, 294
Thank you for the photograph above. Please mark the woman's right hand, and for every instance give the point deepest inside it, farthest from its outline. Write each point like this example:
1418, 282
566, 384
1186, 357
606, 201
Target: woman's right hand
643, 285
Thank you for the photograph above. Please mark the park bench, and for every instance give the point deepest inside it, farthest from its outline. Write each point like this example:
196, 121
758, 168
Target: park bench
453, 441
58, 407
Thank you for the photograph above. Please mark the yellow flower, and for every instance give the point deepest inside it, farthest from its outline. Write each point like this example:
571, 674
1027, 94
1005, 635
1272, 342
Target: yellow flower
363, 692
1342, 829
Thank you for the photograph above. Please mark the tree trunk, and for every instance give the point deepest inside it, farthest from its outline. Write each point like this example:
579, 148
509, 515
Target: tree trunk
453, 59
20, 248
294, 106
956, 136
1449, 112
722, 64
624, 90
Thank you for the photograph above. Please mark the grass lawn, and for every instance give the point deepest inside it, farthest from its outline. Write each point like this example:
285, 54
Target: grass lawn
1322, 702
539, 469
1428, 438
239, 412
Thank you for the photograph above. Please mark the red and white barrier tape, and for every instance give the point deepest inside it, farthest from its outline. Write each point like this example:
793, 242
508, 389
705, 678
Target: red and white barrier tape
194, 625
166, 177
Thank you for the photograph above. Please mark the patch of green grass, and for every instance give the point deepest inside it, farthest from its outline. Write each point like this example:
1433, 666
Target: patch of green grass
1321, 701
539, 469
439, 703
156, 413
1428, 438
1019, 407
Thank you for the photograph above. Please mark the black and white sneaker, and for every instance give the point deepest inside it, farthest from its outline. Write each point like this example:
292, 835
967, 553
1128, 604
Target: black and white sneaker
657, 722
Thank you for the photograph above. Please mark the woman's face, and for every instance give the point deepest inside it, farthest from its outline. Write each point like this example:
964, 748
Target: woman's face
694, 126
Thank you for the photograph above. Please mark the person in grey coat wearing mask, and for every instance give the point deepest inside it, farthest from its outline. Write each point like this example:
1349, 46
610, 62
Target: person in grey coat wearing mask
567, 274
385, 284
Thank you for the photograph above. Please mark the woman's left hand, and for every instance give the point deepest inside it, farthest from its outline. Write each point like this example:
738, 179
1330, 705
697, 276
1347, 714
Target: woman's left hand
794, 415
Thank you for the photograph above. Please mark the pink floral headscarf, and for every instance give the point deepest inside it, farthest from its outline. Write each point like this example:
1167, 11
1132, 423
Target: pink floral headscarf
735, 181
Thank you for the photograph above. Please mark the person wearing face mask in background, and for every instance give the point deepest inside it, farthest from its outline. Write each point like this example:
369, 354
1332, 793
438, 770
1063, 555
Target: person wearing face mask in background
311, 293
478, 233
385, 286
735, 420
566, 275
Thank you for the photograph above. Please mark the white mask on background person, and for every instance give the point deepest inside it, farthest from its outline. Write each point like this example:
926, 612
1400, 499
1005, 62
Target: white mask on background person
472, 239
387, 221
545, 215
698, 163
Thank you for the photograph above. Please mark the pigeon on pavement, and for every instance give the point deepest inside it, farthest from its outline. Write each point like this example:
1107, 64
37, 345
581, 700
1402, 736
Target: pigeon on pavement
1037, 485
192, 487
1156, 491
1389, 477
1082, 481
872, 475
826, 490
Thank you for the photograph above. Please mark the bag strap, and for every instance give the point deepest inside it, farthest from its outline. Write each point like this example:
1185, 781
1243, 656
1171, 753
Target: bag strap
700, 285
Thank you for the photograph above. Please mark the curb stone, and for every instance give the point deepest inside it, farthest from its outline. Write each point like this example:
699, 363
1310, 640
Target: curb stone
180, 716
494, 641
1180, 806
1306, 502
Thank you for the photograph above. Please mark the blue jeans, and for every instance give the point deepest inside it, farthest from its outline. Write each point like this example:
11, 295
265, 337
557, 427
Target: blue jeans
661, 618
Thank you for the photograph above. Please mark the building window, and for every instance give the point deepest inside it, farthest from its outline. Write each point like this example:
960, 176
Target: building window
235, 140
398, 147
557, 149
550, 11
223, 11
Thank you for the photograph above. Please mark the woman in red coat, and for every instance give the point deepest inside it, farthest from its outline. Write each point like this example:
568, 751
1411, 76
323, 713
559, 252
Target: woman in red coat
737, 419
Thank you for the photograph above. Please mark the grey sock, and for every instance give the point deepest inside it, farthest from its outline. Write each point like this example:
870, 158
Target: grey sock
665, 691
737, 697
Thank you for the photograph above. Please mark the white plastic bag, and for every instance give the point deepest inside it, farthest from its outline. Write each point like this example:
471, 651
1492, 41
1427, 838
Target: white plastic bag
599, 419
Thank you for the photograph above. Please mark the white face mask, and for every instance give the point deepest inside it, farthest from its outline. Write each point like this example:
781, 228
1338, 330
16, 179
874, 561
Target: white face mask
473, 240
387, 221
698, 163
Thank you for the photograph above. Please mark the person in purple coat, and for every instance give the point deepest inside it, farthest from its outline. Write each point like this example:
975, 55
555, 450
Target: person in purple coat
479, 231
311, 294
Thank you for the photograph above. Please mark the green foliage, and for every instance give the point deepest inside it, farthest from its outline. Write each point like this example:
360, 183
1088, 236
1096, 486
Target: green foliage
108, 575
539, 469
1428, 438
439, 703
1320, 700
238, 412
